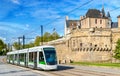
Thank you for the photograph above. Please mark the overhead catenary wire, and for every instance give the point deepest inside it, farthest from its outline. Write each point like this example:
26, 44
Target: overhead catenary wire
60, 17
114, 9
69, 12
28, 33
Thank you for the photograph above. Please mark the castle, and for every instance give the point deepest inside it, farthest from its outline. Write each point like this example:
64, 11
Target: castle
91, 38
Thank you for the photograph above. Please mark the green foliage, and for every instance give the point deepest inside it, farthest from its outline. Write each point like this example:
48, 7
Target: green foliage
16, 45
29, 45
2, 48
55, 35
2, 45
97, 64
37, 41
117, 50
46, 37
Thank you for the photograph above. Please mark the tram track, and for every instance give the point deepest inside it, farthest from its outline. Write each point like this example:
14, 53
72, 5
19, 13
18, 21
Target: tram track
63, 74
72, 72
80, 72
91, 72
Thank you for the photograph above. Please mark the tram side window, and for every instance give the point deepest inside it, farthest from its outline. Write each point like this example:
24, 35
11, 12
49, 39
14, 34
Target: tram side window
15, 57
11, 57
31, 57
8, 57
21, 57
41, 58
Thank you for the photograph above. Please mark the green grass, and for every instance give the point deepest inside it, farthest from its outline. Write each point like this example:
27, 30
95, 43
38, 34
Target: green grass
97, 64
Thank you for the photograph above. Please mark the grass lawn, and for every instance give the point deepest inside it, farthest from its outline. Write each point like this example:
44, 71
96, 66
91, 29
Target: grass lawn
97, 64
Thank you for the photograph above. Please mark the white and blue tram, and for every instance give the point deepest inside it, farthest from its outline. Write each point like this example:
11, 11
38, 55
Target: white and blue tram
41, 57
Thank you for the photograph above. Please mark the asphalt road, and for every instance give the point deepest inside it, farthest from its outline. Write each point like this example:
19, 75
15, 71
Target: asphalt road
63, 70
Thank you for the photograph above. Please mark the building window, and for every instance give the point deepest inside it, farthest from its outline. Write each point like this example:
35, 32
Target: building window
80, 44
100, 21
73, 43
68, 43
95, 45
95, 21
90, 44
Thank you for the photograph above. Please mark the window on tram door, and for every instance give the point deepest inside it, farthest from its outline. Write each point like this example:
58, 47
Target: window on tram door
11, 57
8, 57
21, 56
15, 57
41, 58
31, 57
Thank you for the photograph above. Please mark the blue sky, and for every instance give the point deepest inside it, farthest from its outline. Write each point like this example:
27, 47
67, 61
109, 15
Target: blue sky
24, 17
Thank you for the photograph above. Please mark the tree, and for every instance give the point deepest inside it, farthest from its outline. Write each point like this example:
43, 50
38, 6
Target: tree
2, 47
117, 50
16, 45
29, 45
55, 35
46, 37
37, 41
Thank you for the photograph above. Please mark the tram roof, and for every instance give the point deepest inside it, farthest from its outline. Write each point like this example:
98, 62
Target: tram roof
33, 49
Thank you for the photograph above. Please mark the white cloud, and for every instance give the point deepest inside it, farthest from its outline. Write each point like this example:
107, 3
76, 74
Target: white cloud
27, 25
4, 39
15, 1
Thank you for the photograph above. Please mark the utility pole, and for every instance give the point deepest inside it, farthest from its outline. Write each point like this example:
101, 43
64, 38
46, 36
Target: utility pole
23, 41
41, 35
19, 42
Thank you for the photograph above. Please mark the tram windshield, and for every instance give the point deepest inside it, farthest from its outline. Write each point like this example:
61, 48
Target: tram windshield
50, 56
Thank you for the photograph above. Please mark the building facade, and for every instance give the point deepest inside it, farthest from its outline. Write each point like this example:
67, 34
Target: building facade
92, 38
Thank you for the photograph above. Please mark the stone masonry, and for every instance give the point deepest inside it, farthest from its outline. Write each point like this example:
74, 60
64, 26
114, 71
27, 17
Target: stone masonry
90, 39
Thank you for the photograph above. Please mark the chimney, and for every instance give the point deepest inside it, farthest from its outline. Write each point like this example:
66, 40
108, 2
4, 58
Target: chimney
67, 18
118, 21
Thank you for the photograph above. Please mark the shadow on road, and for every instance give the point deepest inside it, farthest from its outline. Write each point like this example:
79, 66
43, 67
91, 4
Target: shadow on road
60, 68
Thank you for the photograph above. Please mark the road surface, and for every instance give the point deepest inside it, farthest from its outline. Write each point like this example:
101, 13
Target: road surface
63, 70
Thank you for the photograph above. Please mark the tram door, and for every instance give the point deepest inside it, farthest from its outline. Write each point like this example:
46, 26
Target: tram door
35, 59
25, 59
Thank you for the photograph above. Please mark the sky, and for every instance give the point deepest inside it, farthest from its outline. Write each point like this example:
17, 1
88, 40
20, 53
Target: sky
24, 17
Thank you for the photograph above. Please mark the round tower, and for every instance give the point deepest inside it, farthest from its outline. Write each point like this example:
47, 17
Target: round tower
118, 21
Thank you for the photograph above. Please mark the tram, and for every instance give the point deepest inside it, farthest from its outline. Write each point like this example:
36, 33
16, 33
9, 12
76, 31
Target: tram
41, 57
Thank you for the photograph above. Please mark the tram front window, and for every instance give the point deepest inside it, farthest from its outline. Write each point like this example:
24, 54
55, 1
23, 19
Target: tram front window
50, 56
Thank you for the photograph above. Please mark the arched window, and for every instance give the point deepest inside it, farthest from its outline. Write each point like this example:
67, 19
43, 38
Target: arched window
73, 43
100, 21
95, 21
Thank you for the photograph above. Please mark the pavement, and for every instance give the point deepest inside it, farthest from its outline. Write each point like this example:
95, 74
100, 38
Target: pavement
63, 70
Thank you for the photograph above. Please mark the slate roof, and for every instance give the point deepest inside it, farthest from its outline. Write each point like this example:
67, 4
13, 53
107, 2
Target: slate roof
94, 13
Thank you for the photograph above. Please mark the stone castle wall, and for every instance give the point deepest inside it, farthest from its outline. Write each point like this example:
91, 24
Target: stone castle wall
96, 44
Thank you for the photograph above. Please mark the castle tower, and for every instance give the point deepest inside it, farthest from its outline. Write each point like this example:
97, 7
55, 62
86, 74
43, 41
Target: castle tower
118, 21
103, 12
65, 27
109, 19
